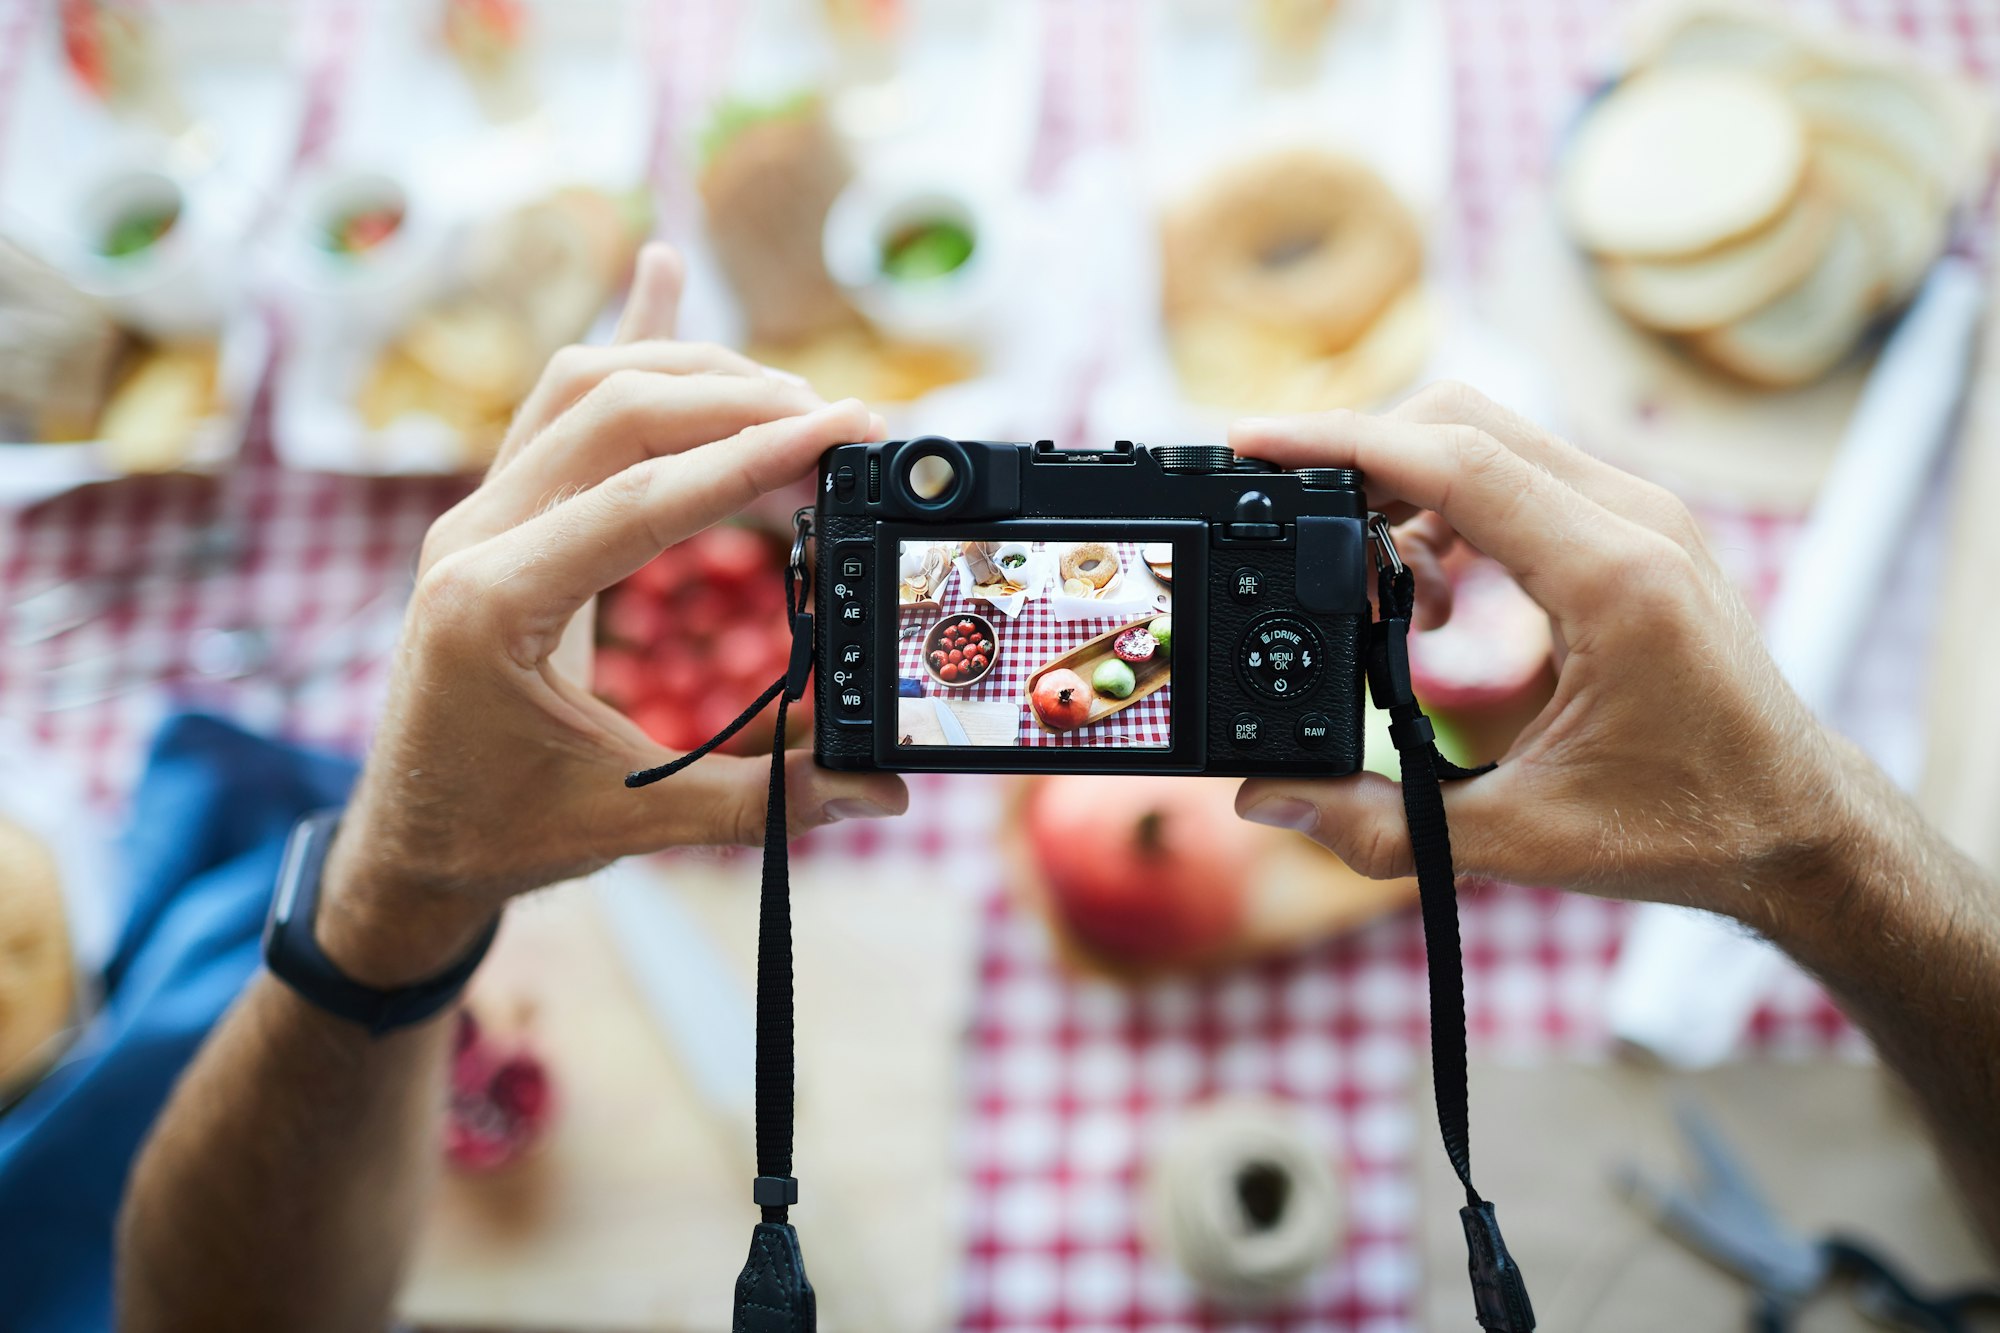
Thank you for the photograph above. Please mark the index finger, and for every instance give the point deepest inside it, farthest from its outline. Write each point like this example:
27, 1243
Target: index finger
528, 580
1558, 542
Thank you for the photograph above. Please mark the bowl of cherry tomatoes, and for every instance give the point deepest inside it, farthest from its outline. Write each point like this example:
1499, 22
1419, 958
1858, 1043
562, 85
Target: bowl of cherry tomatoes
960, 650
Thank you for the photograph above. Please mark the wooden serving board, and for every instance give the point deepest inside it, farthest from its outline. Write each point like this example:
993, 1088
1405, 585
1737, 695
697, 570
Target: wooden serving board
1150, 675
1627, 396
635, 1214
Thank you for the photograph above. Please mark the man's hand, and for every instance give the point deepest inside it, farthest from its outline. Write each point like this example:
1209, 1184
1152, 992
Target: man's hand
496, 770
1673, 761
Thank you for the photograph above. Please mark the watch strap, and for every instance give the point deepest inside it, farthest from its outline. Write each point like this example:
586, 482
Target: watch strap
292, 952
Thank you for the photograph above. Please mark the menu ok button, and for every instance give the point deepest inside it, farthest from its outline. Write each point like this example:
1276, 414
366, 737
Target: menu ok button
1281, 657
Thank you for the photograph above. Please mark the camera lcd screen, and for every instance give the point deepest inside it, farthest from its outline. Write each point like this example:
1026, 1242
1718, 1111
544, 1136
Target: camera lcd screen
1016, 643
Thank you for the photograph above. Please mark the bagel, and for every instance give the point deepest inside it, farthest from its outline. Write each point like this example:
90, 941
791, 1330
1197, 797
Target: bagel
1298, 240
1090, 562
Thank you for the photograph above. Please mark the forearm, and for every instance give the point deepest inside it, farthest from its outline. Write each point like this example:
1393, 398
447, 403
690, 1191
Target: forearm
1905, 933
282, 1184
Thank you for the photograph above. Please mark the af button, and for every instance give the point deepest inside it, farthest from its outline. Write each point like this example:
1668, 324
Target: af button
1281, 657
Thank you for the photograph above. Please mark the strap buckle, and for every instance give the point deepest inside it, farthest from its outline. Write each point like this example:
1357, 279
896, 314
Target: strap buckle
1385, 543
797, 568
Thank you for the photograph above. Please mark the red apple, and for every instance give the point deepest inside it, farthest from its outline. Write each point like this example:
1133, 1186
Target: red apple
1061, 700
1143, 871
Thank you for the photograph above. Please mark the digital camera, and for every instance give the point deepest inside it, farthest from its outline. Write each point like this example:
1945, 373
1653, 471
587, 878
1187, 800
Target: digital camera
988, 606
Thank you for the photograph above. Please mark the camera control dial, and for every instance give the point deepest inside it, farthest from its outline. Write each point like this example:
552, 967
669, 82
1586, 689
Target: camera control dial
1195, 457
1281, 657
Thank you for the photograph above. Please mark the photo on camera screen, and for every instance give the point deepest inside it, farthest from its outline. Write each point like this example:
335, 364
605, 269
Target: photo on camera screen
1035, 643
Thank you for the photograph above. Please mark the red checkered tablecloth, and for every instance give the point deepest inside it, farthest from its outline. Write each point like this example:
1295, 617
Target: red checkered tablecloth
1070, 1083
1029, 641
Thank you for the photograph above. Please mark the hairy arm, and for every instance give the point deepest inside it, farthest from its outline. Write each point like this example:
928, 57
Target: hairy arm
1904, 930
284, 1182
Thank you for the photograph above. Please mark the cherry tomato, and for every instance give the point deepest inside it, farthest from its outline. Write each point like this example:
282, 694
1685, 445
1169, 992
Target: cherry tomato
949, 671
979, 662
986, 645
731, 554
937, 658
634, 618
965, 627
739, 651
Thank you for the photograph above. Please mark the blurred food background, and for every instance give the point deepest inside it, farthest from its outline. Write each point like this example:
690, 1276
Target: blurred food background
1076, 1052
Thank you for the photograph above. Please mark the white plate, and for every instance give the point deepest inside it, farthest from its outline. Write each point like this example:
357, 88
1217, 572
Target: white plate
1034, 576
960, 119
592, 127
1382, 95
238, 68
31, 473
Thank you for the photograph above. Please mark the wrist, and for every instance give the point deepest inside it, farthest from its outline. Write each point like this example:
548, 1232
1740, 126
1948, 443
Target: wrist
383, 927
1833, 888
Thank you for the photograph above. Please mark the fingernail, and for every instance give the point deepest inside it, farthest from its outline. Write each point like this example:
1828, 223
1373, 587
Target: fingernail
1254, 425
854, 807
789, 377
1284, 812
878, 426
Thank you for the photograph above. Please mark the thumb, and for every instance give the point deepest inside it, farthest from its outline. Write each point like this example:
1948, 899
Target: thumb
1360, 819
723, 799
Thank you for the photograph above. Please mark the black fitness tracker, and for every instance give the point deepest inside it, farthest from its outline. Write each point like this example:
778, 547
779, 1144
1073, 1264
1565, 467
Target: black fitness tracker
293, 954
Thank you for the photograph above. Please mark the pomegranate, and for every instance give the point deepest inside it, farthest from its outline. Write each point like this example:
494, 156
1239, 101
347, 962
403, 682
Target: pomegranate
1061, 700
1144, 871
501, 1099
1492, 653
1135, 645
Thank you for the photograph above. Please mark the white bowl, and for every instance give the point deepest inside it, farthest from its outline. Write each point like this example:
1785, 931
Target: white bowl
180, 284
955, 307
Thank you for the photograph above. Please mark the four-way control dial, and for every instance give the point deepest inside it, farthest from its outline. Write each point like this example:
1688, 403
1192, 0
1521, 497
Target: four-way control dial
1281, 657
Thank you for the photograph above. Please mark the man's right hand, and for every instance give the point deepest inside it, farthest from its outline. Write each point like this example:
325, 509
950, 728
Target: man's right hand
1673, 763
496, 770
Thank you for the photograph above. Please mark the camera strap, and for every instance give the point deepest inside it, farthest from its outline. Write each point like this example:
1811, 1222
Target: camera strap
1499, 1294
773, 1294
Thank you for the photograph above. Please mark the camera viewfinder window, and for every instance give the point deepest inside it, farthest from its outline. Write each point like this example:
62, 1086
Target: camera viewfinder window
1042, 643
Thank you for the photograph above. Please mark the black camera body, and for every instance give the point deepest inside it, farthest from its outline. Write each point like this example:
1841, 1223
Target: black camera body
986, 606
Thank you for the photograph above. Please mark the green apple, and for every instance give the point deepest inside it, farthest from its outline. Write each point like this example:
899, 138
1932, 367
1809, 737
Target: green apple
1114, 678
